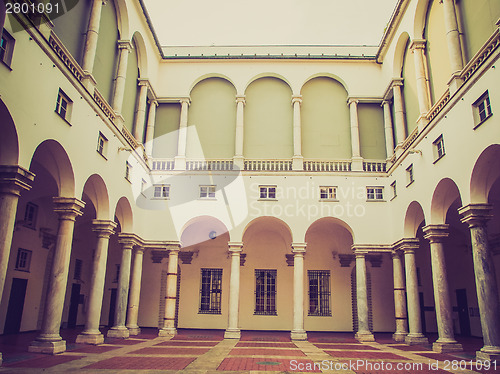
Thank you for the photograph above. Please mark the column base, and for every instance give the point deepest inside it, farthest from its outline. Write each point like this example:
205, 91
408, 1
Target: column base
134, 330
90, 338
357, 164
179, 163
444, 347
488, 353
416, 339
232, 334
238, 163
47, 347
399, 336
298, 335
170, 331
365, 336
298, 163
118, 332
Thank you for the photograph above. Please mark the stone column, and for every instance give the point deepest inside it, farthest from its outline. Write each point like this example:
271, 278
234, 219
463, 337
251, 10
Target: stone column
298, 159
180, 159
454, 45
357, 160
415, 336
444, 309
119, 330
13, 180
298, 332
49, 340
363, 334
233, 330
476, 216
399, 299
389, 135
92, 36
240, 133
91, 333
140, 112
399, 112
423, 91
150, 129
135, 293
168, 328
124, 47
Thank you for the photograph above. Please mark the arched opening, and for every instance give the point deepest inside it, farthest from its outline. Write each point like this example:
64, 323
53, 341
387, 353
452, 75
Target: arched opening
9, 145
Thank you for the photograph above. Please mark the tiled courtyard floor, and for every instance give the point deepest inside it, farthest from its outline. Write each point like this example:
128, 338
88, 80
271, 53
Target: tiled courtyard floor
205, 351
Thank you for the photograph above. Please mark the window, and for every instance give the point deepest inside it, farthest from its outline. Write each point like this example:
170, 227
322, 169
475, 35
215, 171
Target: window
162, 191
128, 168
143, 186
374, 193
210, 291
30, 215
63, 105
265, 292
77, 275
117, 273
410, 178
319, 292
438, 148
6, 47
267, 192
207, 192
102, 143
394, 189
328, 193
23, 260
482, 109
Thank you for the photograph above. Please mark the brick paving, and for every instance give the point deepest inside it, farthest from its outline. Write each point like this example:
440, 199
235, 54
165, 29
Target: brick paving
206, 352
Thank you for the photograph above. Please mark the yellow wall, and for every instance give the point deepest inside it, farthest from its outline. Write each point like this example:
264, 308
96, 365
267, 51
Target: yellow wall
477, 18
325, 120
437, 51
371, 131
107, 51
131, 89
166, 130
410, 92
213, 113
268, 119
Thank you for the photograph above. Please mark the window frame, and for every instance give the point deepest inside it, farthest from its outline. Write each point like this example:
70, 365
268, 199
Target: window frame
62, 97
162, 195
207, 190
377, 191
26, 261
483, 100
394, 190
321, 295
265, 294
128, 171
210, 291
328, 193
410, 175
439, 149
7, 43
30, 223
268, 192
102, 145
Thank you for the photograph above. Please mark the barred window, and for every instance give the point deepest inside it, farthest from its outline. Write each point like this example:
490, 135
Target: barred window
23, 259
319, 292
265, 292
210, 291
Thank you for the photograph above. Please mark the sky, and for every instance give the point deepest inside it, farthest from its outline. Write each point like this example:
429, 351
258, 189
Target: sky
269, 22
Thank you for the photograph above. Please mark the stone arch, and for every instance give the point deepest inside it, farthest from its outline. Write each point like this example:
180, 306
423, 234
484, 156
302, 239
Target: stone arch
326, 75
52, 156
399, 54
413, 219
122, 19
124, 215
142, 56
420, 20
327, 223
95, 189
268, 222
201, 229
445, 194
484, 174
9, 143
268, 75
211, 75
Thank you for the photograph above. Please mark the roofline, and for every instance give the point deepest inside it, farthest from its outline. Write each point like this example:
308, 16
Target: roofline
393, 24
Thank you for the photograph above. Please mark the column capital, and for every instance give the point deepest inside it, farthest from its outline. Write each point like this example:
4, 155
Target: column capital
185, 100
125, 44
103, 228
241, 99
299, 248
173, 248
418, 44
68, 207
153, 102
352, 100
296, 99
436, 233
14, 179
139, 249
144, 82
475, 214
396, 253
397, 82
128, 240
235, 247
360, 253
385, 102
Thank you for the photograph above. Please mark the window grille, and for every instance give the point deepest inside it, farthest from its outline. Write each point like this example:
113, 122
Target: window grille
210, 291
265, 292
374, 193
267, 192
319, 292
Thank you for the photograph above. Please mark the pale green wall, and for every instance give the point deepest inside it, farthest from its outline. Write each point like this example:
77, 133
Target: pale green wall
268, 119
410, 92
477, 18
437, 51
166, 125
213, 113
131, 89
72, 27
107, 51
325, 120
371, 131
